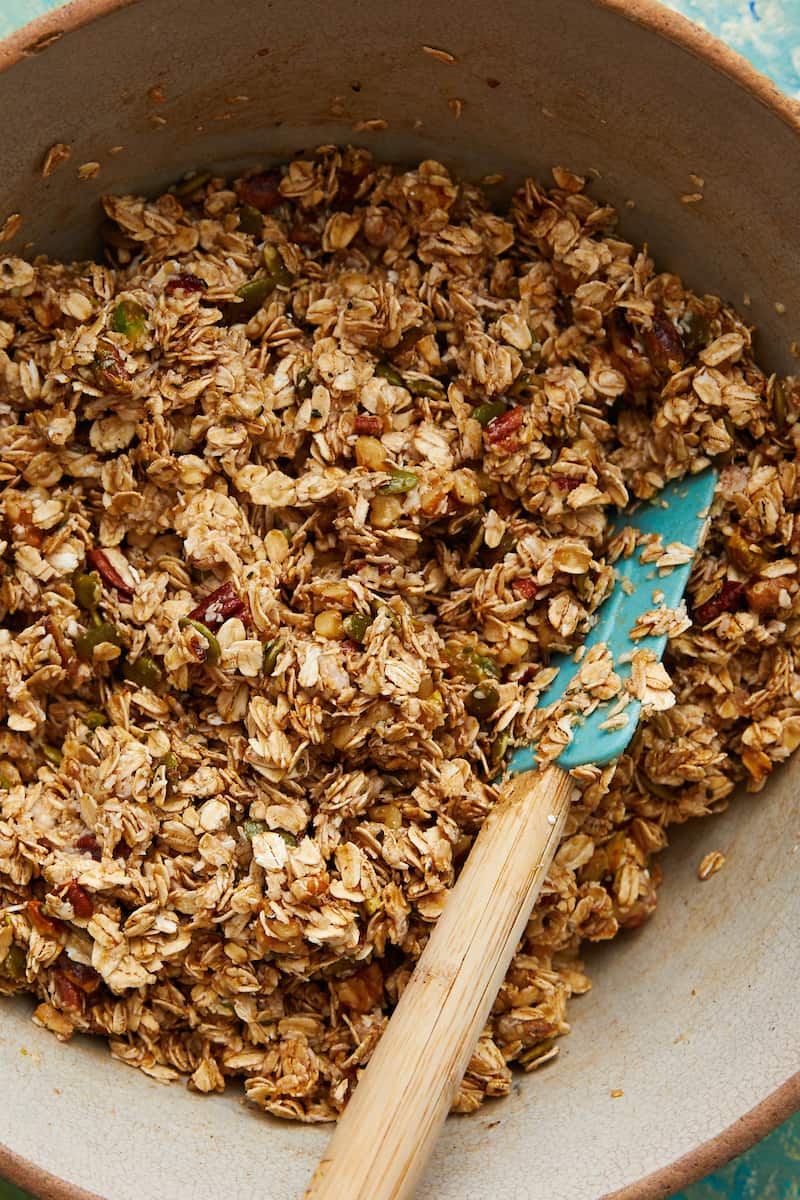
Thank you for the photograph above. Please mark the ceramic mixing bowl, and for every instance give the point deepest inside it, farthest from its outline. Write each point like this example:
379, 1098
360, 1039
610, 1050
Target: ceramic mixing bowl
694, 1018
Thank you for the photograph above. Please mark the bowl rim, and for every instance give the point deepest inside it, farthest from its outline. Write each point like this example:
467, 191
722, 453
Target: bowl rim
34, 38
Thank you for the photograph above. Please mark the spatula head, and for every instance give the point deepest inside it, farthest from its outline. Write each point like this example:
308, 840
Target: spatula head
678, 514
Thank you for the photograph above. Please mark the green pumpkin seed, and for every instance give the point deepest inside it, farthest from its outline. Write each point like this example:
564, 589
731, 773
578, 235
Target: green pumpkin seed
170, 762
486, 665
100, 634
471, 665
144, 672
489, 411
499, 748
272, 652
94, 719
483, 700
427, 387
88, 589
356, 626
14, 964
399, 481
696, 331
277, 270
130, 319
251, 829
213, 653
536, 1052
522, 384
251, 221
390, 374
171, 770
190, 184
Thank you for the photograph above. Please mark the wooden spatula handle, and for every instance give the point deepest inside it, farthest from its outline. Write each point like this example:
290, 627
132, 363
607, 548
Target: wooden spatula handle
388, 1130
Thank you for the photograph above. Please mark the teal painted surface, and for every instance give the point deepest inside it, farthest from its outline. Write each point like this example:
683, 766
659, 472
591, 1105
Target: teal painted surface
770, 1171
14, 13
765, 31
768, 33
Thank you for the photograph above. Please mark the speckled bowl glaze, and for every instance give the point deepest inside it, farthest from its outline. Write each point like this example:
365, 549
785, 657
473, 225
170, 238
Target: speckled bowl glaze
694, 1018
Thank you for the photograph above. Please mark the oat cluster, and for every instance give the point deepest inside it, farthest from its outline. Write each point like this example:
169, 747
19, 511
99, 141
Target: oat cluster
303, 483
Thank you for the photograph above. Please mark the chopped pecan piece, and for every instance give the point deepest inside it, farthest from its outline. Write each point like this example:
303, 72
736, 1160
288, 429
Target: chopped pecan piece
366, 423
524, 589
109, 573
502, 427
220, 606
726, 600
41, 921
79, 898
184, 281
261, 191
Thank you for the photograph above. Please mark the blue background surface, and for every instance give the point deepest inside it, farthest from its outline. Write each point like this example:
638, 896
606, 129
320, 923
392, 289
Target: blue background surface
768, 33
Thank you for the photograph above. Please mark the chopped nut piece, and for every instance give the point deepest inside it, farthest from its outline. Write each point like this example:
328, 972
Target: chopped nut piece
79, 898
46, 925
502, 428
385, 511
328, 624
726, 600
106, 569
364, 423
370, 453
184, 281
767, 595
222, 604
260, 191
524, 589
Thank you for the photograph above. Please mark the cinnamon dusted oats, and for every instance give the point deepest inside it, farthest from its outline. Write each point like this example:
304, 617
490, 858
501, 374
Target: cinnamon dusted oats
301, 488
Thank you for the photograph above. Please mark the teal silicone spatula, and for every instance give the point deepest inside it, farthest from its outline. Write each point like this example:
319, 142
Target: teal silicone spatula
389, 1127
678, 514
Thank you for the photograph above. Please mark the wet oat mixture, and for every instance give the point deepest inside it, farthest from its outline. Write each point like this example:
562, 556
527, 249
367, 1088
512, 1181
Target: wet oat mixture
301, 488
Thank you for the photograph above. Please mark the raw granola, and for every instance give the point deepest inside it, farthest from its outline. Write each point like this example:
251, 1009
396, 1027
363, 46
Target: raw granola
302, 485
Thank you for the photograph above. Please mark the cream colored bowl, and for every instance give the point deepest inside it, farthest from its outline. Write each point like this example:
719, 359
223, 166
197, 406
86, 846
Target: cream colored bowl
695, 1017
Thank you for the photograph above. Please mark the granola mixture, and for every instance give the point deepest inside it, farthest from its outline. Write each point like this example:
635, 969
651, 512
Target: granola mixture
301, 488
